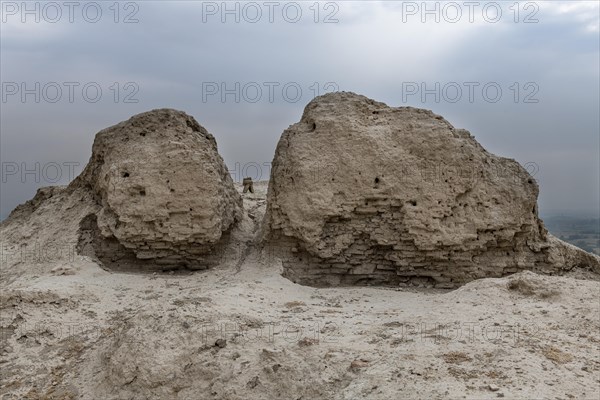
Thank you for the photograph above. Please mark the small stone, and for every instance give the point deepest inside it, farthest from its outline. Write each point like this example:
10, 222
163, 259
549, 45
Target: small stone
493, 387
221, 343
358, 364
252, 383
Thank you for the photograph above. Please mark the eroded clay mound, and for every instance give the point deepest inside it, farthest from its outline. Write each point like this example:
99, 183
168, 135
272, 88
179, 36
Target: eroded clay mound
364, 193
164, 192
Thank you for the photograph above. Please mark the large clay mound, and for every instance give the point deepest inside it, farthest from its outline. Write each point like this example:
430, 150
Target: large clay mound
166, 197
363, 193
155, 195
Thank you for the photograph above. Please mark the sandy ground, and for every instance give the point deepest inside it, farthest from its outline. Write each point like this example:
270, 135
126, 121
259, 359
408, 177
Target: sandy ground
72, 330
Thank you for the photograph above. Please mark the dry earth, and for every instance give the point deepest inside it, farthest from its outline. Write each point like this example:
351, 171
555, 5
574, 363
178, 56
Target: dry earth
71, 330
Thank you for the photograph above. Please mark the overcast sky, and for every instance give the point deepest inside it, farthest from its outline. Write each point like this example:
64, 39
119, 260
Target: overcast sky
195, 56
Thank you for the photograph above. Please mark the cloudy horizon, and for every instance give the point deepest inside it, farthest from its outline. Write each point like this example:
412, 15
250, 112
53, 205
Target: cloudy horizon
522, 79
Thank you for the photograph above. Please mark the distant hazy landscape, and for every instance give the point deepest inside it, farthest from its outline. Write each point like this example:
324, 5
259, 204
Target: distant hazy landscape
579, 231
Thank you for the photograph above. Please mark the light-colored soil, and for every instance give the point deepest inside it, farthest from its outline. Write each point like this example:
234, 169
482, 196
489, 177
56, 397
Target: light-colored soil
72, 330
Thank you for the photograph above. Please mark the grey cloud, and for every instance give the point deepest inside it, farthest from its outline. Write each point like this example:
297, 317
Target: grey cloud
171, 52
